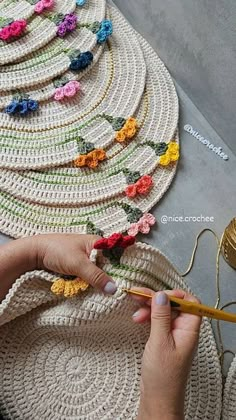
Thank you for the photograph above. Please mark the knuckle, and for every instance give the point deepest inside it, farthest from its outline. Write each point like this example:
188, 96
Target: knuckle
97, 278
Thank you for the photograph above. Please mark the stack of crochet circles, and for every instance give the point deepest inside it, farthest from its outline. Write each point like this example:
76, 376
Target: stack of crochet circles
88, 121
88, 144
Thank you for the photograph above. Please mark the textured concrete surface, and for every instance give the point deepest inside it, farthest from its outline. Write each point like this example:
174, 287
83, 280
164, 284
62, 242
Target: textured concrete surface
204, 185
196, 40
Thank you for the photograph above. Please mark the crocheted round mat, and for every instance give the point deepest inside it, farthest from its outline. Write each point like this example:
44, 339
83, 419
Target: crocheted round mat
53, 59
81, 357
229, 396
40, 30
106, 195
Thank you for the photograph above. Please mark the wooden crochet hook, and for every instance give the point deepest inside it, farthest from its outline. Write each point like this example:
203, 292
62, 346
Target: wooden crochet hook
191, 307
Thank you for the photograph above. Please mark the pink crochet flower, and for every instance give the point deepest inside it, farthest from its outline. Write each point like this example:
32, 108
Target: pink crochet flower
48, 3
76, 84
143, 225
59, 94
22, 23
69, 89
43, 4
16, 28
39, 7
5, 33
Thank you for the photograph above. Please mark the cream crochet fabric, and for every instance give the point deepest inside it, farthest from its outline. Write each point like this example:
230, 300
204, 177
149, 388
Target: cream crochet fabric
80, 358
229, 398
128, 79
39, 31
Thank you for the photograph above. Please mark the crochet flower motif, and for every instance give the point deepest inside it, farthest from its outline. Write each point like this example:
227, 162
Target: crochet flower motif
113, 241
171, 155
13, 29
113, 247
80, 61
142, 186
102, 30
43, 5
67, 91
67, 24
143, 225
90, 159
69, 288
128, 130
21, 105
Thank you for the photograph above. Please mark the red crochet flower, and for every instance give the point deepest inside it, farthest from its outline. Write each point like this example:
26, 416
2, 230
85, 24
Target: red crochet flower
131, 190
115, 240
127, 241
101, 244
144, 184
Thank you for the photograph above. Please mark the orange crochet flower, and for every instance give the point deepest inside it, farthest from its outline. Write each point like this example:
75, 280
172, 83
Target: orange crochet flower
80, 160
128, 131
120, 136
99, 154
91, 162
131, 123
91, 159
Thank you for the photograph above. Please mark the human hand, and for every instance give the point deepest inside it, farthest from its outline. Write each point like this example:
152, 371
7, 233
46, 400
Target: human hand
167, 357
61, 253
69, 254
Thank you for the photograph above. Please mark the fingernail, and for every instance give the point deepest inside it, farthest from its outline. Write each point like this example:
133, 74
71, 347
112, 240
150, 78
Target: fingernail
136, 314
161, 299
110, 288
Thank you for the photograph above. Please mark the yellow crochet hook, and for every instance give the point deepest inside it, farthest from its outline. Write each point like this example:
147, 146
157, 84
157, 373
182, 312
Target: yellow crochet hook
191, 307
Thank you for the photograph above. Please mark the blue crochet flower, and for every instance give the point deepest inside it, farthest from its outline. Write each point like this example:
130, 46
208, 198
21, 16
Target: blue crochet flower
12, 108
80, 2
32, 105
101, 36
82, 61
105, 31
107, 26
23, 106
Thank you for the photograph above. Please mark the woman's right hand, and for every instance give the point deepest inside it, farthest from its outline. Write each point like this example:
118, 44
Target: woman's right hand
167, 357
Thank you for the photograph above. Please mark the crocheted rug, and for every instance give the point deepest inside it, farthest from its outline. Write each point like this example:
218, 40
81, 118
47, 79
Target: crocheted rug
81, 357
229, 397
114, 190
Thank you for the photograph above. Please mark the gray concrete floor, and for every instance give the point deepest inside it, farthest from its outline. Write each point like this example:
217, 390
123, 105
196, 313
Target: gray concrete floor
204, 185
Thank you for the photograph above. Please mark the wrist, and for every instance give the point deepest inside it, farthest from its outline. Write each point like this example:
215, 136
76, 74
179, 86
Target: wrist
155, 410
16, 258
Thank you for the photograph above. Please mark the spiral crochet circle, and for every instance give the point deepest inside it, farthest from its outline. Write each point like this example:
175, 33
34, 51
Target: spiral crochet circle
81, 358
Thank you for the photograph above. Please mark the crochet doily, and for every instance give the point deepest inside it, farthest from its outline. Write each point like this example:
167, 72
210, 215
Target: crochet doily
39, 31
111, 87
52, 60
81, 358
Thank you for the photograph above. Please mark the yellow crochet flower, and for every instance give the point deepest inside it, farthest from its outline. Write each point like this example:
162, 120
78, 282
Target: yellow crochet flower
69, 288
171, 155
165, 159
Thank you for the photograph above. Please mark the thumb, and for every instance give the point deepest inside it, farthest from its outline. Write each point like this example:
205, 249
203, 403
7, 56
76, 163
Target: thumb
95, 276
160, 318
